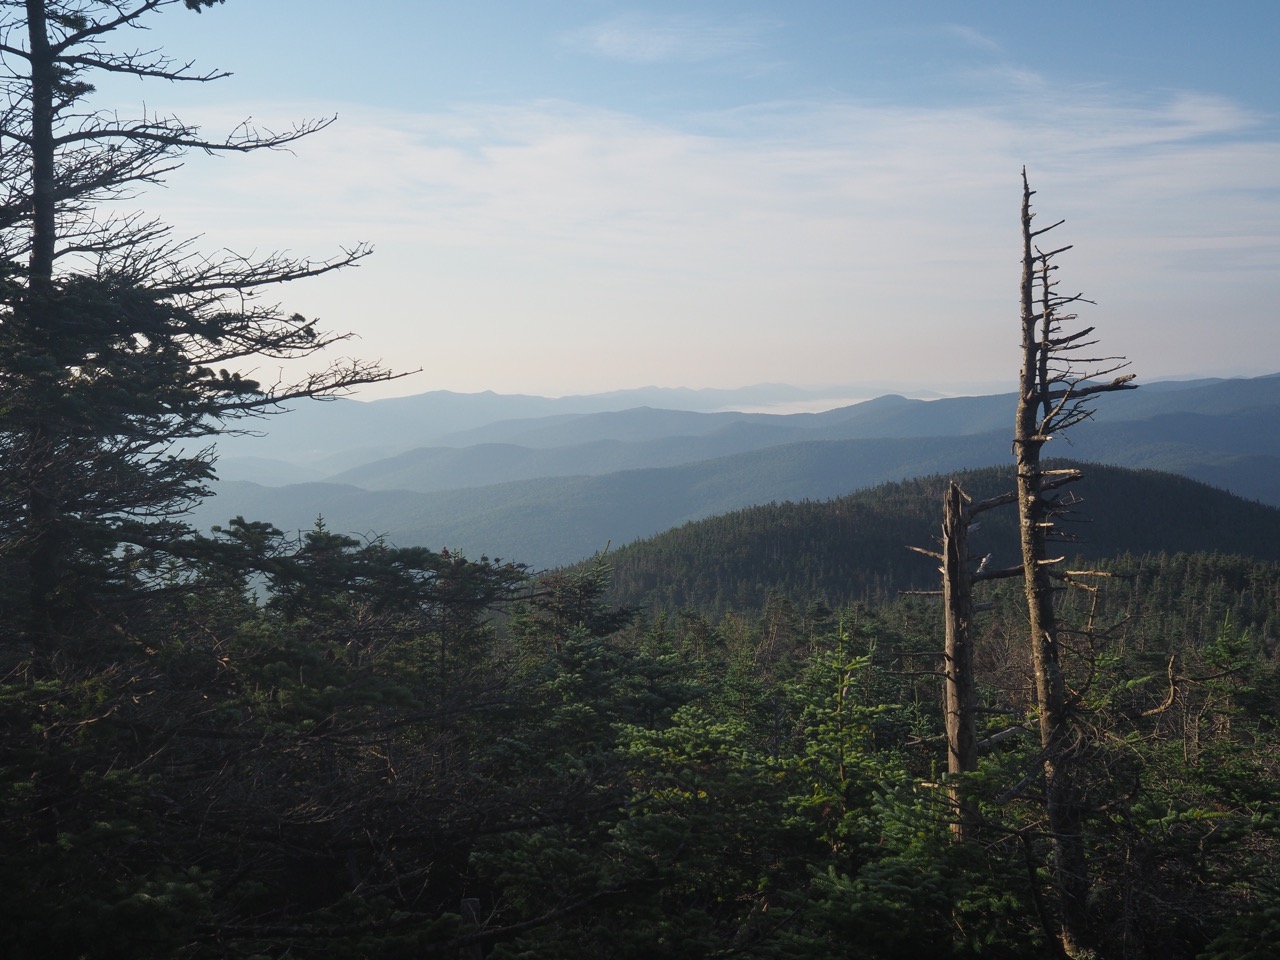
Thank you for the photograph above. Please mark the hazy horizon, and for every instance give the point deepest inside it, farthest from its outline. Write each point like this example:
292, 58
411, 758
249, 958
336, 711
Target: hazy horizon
836, 394
573, 196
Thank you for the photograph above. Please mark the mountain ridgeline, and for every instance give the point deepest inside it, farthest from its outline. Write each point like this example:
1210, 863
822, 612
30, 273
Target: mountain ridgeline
854, 548
558, 480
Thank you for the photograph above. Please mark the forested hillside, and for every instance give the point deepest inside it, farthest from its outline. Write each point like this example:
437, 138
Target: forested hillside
854, 548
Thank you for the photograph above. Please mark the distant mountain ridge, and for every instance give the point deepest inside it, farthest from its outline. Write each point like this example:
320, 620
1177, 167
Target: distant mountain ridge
562, 487
314, 431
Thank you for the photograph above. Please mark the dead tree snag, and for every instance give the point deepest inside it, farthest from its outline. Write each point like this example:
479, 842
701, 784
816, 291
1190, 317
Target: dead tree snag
1055, 383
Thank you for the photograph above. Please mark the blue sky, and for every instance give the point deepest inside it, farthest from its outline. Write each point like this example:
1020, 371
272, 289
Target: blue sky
571, 196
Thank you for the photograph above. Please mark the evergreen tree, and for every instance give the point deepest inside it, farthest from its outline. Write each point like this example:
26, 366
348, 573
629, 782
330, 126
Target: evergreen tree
121, 347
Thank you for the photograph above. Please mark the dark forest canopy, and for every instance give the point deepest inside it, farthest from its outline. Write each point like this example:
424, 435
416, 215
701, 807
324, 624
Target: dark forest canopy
256, 745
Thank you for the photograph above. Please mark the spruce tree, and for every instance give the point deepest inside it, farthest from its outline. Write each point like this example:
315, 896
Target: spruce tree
122, 349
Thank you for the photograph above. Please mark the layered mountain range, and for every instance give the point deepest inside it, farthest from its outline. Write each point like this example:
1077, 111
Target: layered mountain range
549, 481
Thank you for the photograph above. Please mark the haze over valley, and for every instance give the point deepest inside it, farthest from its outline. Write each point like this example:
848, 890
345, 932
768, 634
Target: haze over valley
550, 481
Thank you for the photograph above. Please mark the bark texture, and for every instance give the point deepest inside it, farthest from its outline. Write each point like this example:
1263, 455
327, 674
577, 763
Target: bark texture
1054, 384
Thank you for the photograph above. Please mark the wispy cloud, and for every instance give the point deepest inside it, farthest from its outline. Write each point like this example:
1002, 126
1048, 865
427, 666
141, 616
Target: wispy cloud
772, 237
973, 38
646, 38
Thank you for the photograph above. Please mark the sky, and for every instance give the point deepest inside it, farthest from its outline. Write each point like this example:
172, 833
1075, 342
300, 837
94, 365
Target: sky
574, 196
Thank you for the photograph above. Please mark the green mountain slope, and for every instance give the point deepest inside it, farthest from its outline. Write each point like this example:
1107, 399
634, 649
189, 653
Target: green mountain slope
855, 547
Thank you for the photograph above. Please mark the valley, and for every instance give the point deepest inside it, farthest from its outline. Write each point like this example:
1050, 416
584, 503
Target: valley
550, 482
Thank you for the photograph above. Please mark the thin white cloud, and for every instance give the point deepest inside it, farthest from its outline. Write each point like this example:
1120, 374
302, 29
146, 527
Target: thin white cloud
975, 39
648, 39
801, 241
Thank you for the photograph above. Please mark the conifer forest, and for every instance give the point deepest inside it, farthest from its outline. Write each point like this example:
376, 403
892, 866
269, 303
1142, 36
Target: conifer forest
778, 733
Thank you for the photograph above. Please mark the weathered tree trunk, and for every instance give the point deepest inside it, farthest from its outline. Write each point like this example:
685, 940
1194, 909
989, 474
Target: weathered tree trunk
1058, 738
1053, 388
42, 509
43, 210
958, 686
